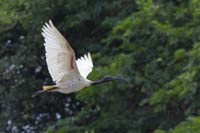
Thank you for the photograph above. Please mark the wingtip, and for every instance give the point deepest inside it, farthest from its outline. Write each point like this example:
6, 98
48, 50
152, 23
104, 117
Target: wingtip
48, 25
43, 34
51, 23
88, 54
44, 27
90, 58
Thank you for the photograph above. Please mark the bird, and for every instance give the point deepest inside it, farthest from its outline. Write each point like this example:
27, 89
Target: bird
69, 74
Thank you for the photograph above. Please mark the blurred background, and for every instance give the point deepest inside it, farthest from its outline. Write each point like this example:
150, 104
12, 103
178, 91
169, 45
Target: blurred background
155, 44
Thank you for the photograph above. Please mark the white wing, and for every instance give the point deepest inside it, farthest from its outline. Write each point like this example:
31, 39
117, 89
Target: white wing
85, 65
60, 56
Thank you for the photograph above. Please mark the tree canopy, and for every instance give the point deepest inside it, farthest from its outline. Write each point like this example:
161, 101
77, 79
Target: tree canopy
154, 44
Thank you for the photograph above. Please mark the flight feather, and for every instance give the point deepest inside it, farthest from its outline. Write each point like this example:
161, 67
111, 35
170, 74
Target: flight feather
85, 65
60, 56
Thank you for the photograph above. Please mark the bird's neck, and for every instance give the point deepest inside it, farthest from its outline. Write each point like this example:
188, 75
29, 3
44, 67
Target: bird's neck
107, 79
100, 81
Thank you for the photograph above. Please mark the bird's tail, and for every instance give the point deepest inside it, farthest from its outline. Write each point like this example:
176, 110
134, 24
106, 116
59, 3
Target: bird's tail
50, 88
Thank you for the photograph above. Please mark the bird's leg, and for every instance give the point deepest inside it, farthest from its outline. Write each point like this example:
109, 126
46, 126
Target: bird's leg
39, 92
45, 89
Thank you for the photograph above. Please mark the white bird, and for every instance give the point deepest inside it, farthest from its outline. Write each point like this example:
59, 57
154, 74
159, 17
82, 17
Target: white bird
69, 74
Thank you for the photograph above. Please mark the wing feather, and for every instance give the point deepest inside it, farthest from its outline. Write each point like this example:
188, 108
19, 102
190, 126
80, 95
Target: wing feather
58, 53
85, 65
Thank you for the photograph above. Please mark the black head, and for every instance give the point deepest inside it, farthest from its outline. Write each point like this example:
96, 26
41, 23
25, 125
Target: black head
108, 78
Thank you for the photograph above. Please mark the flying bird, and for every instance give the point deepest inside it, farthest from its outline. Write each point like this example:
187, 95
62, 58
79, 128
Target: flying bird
69, 74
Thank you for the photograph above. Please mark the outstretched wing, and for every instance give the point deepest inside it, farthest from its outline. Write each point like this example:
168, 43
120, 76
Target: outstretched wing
85, 65
60, 56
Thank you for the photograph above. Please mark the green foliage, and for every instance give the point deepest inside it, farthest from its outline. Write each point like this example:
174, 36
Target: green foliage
153, 44
191, 125
160, 46
188, 126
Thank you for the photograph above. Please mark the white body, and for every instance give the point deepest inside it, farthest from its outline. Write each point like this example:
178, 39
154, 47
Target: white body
69, 74
75, 83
